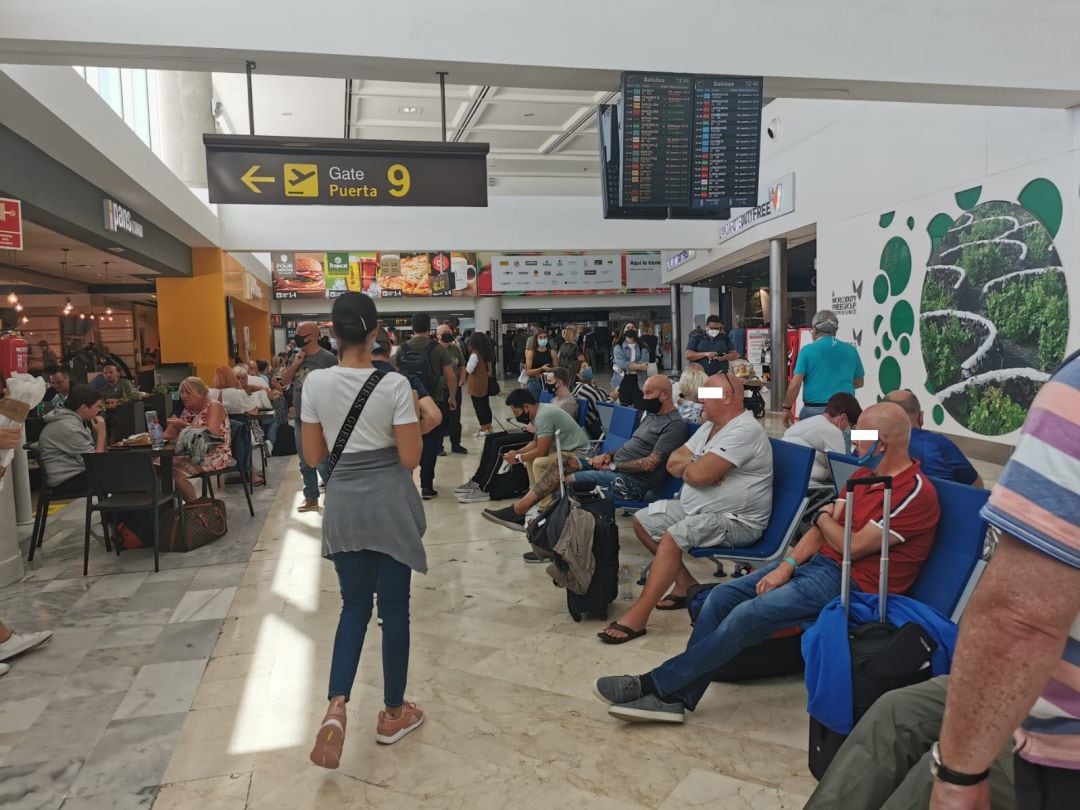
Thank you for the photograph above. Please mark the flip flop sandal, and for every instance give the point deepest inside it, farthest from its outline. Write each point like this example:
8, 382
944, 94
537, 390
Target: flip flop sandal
677, 603
630, 634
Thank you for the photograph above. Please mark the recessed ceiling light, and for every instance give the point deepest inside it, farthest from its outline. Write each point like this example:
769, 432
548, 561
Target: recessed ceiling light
286, 115
81, 266
408, 109
528, 115
115, 249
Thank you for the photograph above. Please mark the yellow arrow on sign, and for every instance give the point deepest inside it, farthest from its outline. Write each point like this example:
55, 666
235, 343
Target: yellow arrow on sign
250, 178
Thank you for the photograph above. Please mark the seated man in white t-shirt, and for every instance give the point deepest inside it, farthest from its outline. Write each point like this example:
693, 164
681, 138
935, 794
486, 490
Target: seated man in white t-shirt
726, 500
828, 432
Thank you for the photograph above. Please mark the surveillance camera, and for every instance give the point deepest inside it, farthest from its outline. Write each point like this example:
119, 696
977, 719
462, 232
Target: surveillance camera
773, 129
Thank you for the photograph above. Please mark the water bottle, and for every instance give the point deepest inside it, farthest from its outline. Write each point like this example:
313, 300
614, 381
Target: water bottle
626, 587
157, 440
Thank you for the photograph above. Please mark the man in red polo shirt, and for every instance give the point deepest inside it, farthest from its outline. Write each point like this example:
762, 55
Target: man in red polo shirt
748, 610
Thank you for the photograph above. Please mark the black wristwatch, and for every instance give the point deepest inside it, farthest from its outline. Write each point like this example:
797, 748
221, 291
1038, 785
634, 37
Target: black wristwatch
939, 771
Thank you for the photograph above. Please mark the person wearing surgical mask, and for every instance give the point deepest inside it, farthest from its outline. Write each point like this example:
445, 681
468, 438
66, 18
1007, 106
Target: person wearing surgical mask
538, 361
557, 382
712, 348
630, 361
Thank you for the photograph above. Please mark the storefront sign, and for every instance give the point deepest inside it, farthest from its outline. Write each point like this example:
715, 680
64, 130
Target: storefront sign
11, 235
682, 257
381, 275
555, 274
118, 218
780, 200
261, 170
644, 271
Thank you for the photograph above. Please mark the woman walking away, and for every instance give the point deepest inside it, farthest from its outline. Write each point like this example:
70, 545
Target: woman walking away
365, 421
481, 368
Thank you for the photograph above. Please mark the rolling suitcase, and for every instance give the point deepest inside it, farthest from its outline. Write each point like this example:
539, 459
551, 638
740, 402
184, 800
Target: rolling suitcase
545, 530
883, 656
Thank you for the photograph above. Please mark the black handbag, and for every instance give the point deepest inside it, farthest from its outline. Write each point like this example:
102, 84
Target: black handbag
493, 386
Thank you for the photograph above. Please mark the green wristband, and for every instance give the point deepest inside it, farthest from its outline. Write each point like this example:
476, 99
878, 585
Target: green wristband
791, 560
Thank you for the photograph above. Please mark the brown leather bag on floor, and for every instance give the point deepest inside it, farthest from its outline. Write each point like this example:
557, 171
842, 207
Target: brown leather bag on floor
205, 521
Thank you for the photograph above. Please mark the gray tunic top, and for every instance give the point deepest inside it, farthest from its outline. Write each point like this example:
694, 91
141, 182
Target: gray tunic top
372, 504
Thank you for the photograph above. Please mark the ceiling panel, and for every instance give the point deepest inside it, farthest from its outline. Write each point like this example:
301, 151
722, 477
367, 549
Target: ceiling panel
501, 139
552, 116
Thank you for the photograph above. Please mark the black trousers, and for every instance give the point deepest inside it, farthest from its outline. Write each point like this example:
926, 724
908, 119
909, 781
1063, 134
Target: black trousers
482, 406
453, 424
433, 441
1039, 787
495, 444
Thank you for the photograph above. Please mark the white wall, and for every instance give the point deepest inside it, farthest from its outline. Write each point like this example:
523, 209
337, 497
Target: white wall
856, 162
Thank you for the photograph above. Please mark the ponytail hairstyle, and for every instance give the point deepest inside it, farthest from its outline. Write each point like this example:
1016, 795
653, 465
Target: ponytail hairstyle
354, 318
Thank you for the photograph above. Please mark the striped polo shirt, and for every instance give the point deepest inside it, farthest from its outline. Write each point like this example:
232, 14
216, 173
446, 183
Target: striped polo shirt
1037, 501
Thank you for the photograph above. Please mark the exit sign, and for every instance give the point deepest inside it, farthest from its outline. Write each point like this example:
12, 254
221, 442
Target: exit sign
11, 235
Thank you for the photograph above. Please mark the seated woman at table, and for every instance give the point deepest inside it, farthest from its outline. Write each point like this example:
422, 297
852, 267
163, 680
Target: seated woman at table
253, 386
228, 391
71, 430
200, 410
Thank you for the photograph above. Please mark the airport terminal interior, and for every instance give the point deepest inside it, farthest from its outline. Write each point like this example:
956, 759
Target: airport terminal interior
472, 407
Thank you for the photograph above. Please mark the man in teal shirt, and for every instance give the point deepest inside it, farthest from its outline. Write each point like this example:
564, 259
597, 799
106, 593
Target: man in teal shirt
827, 366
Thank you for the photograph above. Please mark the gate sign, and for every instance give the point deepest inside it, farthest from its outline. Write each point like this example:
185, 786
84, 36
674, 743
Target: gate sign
11, 235
262, 170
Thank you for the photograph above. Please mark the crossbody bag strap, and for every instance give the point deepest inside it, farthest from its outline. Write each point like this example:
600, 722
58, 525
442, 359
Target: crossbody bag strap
351, 419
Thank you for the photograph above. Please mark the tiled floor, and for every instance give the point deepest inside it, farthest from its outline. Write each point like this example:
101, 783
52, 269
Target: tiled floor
200, 688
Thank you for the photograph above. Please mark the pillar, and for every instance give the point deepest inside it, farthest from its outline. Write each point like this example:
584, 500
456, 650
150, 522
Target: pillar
191, 315
778, 278
706, 303
185, 105
678, 338
488, 315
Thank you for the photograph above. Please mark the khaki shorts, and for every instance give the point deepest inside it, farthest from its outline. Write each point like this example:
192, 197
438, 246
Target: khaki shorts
702, 530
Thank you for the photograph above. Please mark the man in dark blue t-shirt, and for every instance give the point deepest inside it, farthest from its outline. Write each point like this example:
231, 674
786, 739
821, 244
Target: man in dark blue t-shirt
430, 415
712, 348
937, 454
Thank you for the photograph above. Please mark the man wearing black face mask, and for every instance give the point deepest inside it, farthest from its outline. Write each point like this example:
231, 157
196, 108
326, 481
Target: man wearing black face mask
309, 356
445, 333
634, 469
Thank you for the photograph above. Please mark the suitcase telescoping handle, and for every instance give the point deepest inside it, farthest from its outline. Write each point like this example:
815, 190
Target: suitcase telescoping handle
558, 460
883, 571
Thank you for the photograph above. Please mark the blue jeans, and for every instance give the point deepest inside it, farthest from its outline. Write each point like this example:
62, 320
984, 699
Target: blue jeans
628, 490
811, 410
362, 574
309, 474
734, 617
534, 387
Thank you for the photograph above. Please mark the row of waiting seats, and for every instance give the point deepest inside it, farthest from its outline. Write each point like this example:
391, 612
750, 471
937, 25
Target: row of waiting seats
948, 577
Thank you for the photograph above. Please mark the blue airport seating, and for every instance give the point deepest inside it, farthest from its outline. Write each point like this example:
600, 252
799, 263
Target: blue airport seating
582, 411
546, 397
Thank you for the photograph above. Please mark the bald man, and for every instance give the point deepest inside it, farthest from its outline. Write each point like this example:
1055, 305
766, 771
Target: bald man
746, 611
309, 356
938, 454
634, 469
726, 500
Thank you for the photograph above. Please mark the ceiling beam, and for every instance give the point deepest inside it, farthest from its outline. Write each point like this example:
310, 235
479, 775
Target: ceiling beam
35, 278
472, 112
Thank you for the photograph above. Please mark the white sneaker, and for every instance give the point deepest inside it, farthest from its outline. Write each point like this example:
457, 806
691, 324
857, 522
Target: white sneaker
480, 434
269, 447
22, 642
4, 669
470, 484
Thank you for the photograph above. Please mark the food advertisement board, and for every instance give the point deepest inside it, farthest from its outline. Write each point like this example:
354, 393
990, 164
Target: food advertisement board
388, 274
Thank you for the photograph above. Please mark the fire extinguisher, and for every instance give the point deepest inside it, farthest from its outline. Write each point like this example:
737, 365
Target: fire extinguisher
14, 355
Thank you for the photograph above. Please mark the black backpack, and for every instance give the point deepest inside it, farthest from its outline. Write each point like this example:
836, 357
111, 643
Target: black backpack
411, 361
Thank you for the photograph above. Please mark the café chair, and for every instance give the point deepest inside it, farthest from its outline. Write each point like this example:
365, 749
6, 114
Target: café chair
45, 497
126, 482
241, 452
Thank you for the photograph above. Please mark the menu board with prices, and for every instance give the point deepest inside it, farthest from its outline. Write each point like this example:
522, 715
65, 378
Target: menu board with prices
727, 139
658, 113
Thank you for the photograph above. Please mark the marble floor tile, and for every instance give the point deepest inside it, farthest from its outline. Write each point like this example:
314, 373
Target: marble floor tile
115, 586
216, 793
105, 671
19, 715
130, 755
114, 800
129, 635
157, 595
186, 641
162, 689
218, 576
209, 604
67, 730
39, 786
708, 790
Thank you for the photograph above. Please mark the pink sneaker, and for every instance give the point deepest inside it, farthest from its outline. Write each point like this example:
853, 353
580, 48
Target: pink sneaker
392, 729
